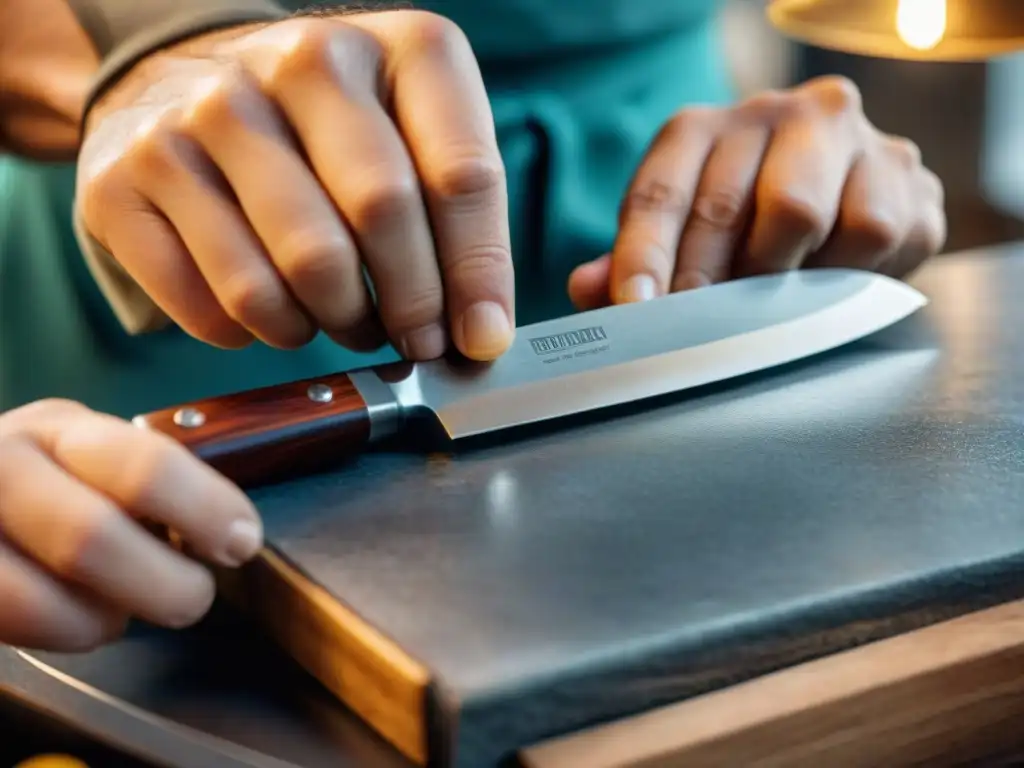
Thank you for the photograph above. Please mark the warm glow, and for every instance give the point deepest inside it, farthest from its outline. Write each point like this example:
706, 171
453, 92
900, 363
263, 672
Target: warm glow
921, 24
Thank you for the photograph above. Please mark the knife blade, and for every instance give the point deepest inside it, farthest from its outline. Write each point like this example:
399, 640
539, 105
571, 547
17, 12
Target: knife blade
570, 365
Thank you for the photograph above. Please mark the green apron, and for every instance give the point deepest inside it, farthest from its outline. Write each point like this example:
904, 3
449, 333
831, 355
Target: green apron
578, 89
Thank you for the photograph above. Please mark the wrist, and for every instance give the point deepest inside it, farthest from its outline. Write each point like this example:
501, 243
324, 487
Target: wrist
126, 39
130, 83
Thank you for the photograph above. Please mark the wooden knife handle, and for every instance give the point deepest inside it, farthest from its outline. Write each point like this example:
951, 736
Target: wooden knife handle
267, 434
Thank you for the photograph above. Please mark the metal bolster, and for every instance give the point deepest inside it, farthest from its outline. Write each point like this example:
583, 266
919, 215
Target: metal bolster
381, 403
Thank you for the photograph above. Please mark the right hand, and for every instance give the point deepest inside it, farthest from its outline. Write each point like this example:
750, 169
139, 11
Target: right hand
244, 179
75, 562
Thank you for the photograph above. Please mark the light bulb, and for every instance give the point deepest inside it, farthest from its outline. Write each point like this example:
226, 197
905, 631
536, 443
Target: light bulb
921, 24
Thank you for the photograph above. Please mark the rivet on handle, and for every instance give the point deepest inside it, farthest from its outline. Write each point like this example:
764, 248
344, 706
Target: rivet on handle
189, 418
320, 393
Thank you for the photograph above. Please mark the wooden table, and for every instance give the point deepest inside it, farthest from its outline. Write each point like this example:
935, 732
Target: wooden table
944, 687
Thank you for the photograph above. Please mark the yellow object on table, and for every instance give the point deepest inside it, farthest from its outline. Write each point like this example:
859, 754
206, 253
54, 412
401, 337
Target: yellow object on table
52, 761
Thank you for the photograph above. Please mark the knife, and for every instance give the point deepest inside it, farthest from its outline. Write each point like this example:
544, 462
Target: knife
605, 357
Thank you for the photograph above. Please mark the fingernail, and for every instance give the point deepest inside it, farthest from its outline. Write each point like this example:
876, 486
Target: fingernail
485, 331
638, 288
244, 540
424, 343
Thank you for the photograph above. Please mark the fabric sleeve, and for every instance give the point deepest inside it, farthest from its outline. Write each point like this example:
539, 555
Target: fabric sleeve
125, 31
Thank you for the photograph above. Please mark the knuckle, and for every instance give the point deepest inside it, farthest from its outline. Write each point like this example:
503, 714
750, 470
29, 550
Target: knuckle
795, 107
83, 546
720, 209
656, 197
311, 259
435, 33
314, 46
472, 176
382, 203
798, 214
481, 265
248, 299
155, 159
146, 471
217, 104
905, 151
875, 232
837, 95
766, 106
484, 270
306, 52
417, 308
307, 47
688, 121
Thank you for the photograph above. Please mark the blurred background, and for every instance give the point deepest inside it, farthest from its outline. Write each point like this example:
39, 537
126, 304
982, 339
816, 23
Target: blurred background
968, 118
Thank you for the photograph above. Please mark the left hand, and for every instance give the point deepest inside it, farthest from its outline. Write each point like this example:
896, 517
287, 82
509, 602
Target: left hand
785, 180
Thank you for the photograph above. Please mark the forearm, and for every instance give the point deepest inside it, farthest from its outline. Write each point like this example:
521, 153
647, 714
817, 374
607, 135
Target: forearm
46, 65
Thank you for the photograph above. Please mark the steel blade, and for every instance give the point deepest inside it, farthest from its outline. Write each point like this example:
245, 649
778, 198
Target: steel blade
626, 353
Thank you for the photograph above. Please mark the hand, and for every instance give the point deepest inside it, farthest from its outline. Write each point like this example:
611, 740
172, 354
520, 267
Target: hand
785, 180
75, 560
246, 178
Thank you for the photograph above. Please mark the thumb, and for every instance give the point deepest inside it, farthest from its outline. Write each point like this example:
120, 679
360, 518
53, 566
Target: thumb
589, 284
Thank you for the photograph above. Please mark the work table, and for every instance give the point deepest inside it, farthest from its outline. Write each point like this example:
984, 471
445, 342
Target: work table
849, 502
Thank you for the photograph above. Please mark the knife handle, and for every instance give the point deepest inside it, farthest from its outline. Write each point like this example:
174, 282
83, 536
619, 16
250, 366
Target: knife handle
265, 434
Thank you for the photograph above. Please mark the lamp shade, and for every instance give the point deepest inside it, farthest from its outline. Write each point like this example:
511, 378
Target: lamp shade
931, 30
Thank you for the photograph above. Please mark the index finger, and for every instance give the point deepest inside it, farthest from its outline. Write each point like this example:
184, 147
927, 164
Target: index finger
441, 108
155, 478
656, 206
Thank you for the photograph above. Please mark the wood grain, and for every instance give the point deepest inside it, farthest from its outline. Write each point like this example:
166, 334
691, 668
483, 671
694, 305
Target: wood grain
363, 668
943, 695
271, 433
